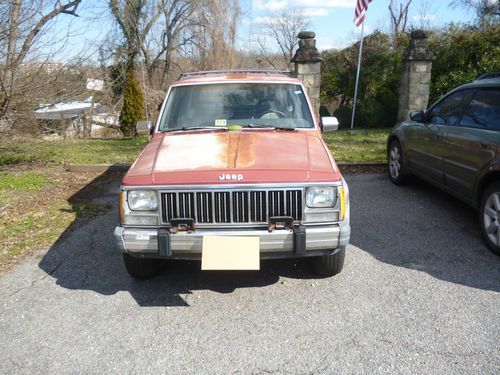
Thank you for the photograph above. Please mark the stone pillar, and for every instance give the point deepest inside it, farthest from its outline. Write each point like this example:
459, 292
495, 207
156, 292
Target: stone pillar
307, 61
415, 76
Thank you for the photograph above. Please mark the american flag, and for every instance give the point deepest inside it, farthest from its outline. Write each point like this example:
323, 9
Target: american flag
360, 11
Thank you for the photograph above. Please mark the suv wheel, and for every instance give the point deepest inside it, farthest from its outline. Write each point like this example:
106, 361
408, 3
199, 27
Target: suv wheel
395, 168
489, 217
329, 265
141, 268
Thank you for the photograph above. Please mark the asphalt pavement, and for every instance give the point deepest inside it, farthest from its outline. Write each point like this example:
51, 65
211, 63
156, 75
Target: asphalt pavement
419, 293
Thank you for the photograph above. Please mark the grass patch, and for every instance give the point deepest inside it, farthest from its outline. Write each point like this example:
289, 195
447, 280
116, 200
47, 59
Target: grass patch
27, 181
347, 147
359, 146
88, 151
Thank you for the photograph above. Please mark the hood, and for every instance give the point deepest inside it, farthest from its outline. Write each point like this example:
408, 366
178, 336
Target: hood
249, 156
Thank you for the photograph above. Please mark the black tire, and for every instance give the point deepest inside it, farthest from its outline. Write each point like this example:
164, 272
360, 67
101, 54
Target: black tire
142, 268
395, 166
329, 265
490, 223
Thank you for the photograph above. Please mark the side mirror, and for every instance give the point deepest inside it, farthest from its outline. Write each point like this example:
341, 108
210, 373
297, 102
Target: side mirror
417, 116
329, 124
144, 128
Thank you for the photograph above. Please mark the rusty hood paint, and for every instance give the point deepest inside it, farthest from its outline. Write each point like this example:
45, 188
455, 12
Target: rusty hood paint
252, 156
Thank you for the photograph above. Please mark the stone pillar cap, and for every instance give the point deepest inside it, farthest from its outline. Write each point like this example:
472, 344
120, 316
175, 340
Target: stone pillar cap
418, 50
418, 34
307, 51
306, 35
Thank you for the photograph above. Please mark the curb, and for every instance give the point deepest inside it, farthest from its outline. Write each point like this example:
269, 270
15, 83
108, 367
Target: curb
123, 167
343, 165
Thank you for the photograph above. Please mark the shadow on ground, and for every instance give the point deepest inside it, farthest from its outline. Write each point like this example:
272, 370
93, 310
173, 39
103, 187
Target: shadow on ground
416, 227
85, 258
420, 227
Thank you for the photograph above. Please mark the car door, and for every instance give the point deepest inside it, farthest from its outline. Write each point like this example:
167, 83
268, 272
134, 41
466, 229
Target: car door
425, 140
472, 143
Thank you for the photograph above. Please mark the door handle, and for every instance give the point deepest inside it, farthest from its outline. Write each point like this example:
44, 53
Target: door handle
484, 145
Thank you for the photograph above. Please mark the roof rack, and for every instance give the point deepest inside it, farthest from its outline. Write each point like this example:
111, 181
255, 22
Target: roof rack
212, 72
488, 76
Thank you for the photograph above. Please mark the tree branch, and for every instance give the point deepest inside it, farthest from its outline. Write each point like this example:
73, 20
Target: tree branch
69, 8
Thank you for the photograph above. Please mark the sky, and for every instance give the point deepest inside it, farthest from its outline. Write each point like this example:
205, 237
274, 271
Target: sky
331, 20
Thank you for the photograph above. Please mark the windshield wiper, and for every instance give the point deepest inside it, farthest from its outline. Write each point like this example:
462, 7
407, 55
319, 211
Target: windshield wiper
185, 128
265, 126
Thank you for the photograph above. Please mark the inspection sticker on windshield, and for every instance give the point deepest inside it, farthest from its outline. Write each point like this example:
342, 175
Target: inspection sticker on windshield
220, 122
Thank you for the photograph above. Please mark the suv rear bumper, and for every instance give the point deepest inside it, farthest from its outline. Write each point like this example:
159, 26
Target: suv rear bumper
280, 243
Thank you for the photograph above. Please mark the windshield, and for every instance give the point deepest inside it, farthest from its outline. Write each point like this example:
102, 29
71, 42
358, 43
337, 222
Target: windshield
243, 104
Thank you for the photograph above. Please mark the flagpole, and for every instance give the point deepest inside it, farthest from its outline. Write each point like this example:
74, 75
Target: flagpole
357, 74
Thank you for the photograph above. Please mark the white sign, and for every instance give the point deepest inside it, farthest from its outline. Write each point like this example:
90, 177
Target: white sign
95, 84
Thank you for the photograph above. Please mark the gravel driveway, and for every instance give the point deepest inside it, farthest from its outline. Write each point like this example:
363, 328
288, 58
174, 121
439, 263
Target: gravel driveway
419, 294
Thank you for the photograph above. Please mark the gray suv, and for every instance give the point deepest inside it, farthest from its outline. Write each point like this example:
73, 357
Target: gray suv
455, 146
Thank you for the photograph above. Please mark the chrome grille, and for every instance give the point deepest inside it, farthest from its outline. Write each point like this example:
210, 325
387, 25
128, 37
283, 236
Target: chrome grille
236, 206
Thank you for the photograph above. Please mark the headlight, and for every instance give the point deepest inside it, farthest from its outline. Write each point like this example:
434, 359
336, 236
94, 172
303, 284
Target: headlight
142, 200
321, 196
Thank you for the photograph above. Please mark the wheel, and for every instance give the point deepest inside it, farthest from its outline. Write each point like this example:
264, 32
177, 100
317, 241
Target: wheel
141, 268
489, 217
396, 170
329, 265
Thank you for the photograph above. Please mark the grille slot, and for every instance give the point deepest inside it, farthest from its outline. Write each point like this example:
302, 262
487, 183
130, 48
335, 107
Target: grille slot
222, 207
186, 205
258, 206
240, 206
236, 206
204, 212
293, 204
169, 206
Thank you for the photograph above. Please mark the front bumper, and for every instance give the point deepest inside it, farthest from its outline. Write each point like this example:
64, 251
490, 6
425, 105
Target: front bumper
280, 243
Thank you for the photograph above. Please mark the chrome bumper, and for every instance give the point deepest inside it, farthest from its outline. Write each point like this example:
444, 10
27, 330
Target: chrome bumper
279, 243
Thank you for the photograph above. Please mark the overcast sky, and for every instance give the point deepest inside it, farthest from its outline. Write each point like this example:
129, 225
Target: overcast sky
332, 20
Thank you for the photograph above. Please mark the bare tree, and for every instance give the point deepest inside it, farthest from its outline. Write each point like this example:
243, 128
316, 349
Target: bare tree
23, 25
398, 11
214, 34
132, 18
425, 15
200, 34
483, 8
282, 30
169, 35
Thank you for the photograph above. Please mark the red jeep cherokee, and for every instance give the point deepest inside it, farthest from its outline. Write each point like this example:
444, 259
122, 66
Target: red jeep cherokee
234, 154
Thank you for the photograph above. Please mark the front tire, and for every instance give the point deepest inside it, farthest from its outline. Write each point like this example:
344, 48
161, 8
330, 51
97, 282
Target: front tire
329, 265
141, 268
489, 217
395, 168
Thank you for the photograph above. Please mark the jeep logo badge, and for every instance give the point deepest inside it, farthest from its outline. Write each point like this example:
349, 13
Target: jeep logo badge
231, 177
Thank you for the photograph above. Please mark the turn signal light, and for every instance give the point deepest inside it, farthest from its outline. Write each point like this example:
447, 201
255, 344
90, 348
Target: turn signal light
122, 214
342, 203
